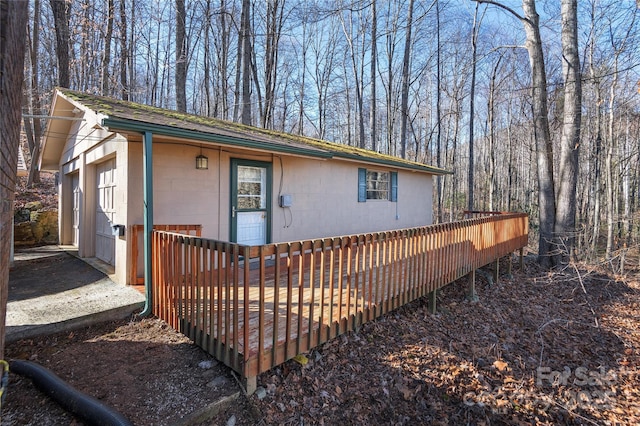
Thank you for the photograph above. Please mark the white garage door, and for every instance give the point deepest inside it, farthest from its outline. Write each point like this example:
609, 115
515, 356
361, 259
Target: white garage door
105, 211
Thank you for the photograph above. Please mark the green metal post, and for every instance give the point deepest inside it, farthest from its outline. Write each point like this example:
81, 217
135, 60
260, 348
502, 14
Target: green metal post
147, 183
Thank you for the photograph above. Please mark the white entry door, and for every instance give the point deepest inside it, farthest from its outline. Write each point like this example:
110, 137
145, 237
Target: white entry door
105, 211
250, 202
75, 225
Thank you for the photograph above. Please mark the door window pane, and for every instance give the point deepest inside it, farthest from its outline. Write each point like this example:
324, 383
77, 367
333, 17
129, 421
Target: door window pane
252, 188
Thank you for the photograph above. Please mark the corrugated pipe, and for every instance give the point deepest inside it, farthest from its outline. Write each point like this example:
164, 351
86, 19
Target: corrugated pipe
85, 407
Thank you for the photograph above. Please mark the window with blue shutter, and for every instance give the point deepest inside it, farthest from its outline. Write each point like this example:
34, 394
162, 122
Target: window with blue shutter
377, 185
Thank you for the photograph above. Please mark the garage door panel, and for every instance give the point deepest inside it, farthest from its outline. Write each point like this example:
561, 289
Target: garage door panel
105, 211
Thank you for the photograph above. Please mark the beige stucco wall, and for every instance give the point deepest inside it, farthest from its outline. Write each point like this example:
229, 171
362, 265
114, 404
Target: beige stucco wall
325, 200
324, 194
86, 147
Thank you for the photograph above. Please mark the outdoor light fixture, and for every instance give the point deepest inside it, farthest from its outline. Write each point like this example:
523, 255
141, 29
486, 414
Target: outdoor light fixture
202, 162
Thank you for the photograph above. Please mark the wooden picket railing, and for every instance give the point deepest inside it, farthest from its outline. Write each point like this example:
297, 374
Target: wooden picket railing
255, 307
135, 238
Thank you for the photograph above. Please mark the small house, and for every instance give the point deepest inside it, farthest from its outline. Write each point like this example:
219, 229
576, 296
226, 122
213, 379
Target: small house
237, 183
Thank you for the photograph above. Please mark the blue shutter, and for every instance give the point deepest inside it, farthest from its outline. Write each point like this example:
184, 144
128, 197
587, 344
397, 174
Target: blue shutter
362, 185
393, 195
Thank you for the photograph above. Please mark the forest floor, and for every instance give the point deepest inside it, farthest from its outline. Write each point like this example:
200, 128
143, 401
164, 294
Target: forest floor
539, 347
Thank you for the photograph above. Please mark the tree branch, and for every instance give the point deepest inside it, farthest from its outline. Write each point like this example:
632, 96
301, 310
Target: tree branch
502, 6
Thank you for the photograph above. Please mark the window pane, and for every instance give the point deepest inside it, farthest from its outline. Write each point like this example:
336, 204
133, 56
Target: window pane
377, 185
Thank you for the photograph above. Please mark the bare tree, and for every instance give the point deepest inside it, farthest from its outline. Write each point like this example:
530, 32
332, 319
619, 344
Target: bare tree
245, 58
572, 116
106, 58
542, 135
124, 52
181, 57
61, 12
439, 112
404, 107
357, 65
33, 125
274, 22
474, 55
373, 115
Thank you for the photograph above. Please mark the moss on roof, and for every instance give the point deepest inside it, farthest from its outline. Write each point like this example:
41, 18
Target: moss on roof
125, 110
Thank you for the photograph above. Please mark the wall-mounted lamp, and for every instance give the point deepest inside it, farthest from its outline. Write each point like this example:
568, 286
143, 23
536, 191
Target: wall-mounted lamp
202, 162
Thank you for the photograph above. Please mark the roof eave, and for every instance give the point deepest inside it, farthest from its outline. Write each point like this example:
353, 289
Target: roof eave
393, 163
114, 124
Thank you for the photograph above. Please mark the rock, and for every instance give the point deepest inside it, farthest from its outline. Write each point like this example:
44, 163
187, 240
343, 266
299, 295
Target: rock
22, 215
33, 206
232, 420
44, 225
301, 359
23, 235
261, 393
208, 364
217, 382
41, 227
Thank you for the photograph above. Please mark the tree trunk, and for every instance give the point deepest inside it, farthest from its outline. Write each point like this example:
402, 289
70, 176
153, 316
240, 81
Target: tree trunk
542, 136
275, 12
207, 58
572, 116
374, 54
33, 126
224, 62
60, 10
123, 51
181, 57
492, 132
106, 59
246, 61
13, 21
438, 111
357, 84
609, 164
474, 50
404, 107
544, 149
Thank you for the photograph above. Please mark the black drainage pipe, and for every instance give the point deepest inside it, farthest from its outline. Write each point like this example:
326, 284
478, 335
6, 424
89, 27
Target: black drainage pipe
87, 408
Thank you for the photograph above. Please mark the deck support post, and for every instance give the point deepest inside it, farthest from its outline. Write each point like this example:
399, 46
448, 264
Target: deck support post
509, 274
250, 384
472, 296
432, 302
522, 258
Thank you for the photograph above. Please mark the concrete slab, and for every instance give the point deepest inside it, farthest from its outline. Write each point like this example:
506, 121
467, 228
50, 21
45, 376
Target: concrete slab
51, 291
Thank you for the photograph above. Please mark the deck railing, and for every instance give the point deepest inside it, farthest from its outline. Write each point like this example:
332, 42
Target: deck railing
255, 307
136, 241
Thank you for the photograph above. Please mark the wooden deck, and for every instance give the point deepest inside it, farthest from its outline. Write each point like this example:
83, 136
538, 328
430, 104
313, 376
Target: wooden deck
255, 307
